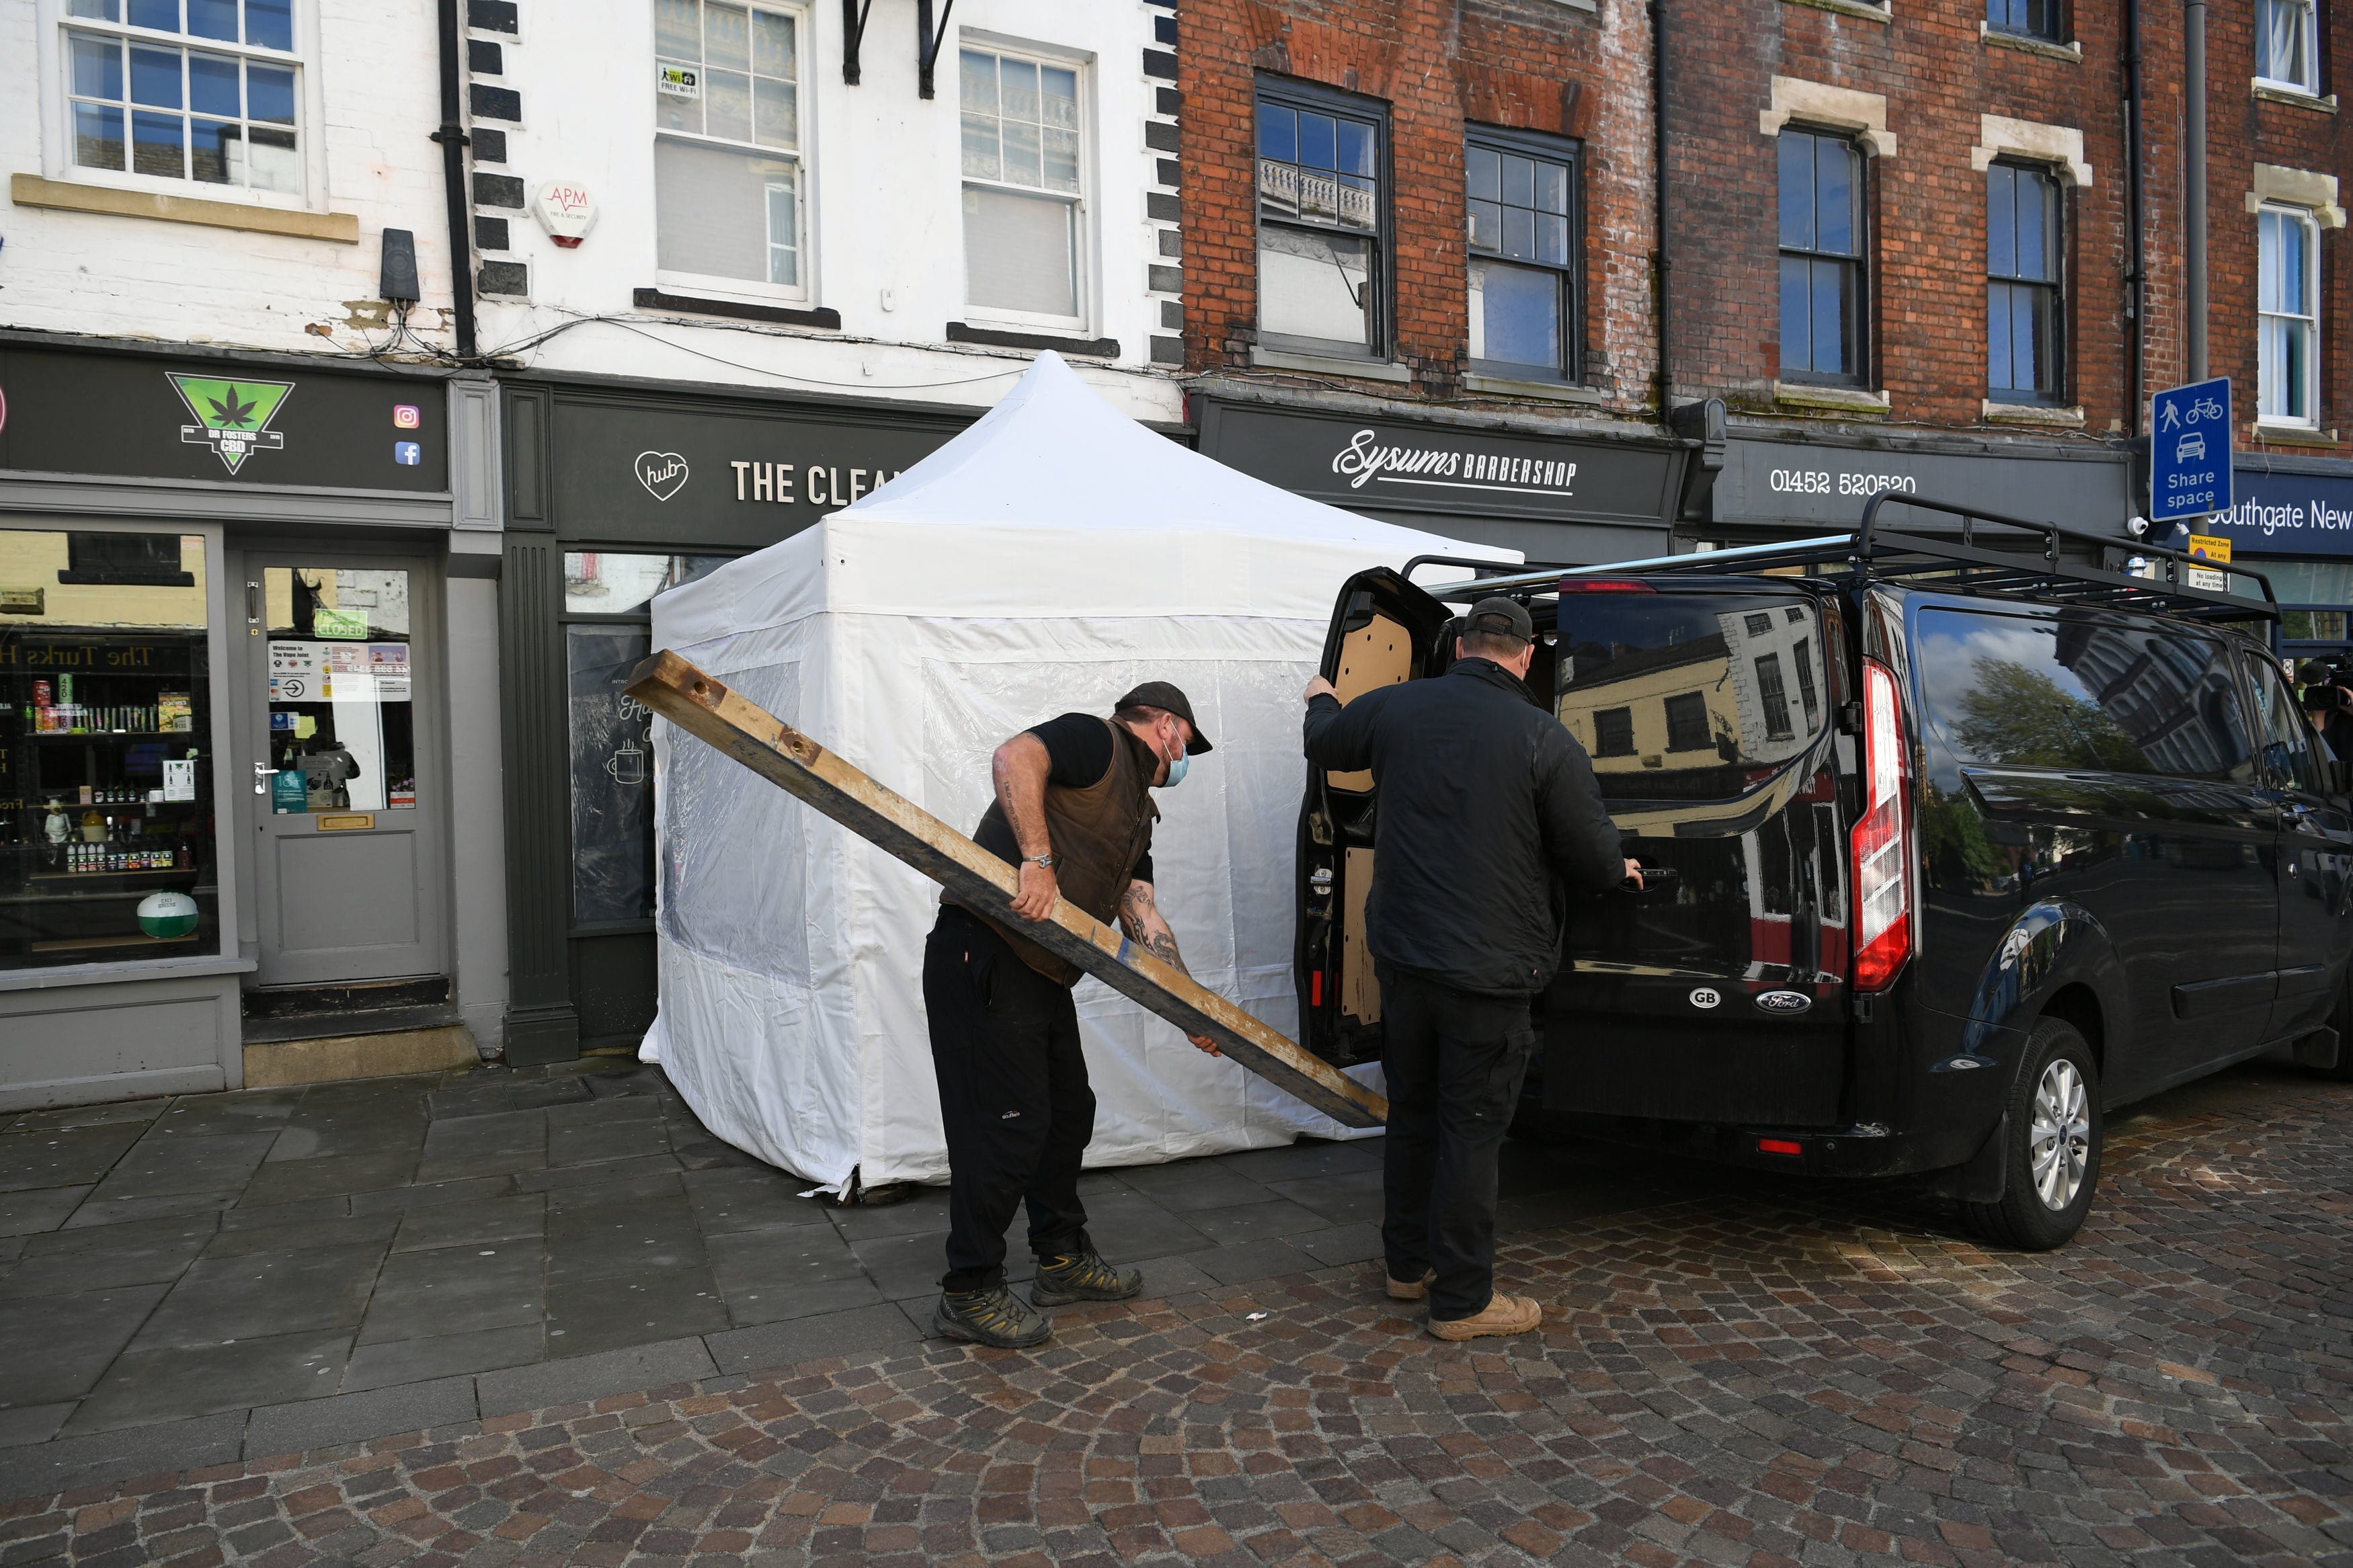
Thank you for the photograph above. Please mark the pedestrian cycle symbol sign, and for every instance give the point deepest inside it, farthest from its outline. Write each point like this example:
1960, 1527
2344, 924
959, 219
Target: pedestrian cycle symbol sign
2190, 450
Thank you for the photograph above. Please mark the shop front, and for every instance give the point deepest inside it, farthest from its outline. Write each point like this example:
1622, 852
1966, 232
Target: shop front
1774, 485
2293, 519
615, 492
230, 781
1557, 497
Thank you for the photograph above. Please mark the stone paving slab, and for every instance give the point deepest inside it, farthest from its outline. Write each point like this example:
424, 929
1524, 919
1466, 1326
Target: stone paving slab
1746, 1372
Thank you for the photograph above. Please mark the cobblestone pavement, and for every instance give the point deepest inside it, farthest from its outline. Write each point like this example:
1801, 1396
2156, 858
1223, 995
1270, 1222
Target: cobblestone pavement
1759, 1373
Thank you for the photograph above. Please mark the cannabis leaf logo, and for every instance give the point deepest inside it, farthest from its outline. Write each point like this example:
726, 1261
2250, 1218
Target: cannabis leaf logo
233, 414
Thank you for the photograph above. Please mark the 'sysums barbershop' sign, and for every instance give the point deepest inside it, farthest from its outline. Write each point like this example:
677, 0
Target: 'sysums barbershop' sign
1422, 465
2289, 514
1365, 460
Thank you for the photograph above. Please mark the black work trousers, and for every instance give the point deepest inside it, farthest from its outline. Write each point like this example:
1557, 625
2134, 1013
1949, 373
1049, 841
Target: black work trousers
1013, 1097
1454, 1061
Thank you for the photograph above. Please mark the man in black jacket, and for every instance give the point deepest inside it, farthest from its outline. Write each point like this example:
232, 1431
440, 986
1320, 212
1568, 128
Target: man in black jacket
1489, 818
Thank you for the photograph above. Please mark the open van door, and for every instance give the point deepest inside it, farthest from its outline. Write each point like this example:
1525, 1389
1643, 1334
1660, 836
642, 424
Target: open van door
1383, 631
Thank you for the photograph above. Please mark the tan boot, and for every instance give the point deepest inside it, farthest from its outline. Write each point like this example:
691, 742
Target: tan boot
1504, 1315
1411, 1289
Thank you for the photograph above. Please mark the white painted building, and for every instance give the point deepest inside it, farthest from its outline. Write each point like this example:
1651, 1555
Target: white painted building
761, 221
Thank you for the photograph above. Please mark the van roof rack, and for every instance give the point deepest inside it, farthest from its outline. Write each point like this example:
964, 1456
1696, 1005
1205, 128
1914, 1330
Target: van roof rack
1876, 552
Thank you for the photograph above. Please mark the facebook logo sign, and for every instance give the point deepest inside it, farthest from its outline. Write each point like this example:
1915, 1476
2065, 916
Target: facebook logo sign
2190, 450
408, 454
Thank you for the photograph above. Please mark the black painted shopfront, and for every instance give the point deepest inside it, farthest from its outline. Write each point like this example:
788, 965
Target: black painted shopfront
1556, 496
615, 492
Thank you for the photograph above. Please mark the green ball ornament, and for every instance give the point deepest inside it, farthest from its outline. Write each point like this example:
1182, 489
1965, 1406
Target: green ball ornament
168, 915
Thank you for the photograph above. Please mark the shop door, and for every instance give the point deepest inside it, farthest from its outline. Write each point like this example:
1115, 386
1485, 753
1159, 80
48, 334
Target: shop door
346, 775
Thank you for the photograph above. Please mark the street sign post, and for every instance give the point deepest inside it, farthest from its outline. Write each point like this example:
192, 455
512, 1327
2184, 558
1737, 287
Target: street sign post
2190, 450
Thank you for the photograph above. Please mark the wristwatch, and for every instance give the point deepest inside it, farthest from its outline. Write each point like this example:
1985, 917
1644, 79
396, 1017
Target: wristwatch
1045, 860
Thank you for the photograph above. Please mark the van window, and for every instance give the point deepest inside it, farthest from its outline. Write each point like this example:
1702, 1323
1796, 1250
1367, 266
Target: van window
2287, 742
2076, 692
1689, 696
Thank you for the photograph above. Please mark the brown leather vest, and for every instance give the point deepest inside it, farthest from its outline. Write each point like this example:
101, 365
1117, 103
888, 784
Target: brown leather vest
1098, 833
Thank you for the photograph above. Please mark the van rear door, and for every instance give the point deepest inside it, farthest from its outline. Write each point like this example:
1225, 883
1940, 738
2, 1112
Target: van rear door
1383, 631
1717, 993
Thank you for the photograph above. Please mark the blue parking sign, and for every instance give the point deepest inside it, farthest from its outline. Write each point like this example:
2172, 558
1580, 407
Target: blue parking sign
2190, 450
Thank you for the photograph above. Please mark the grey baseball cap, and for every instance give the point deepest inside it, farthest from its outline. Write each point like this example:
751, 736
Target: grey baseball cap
1499, 616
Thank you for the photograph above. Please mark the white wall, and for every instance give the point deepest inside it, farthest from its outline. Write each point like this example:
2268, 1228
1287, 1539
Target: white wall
378, 95
884, 197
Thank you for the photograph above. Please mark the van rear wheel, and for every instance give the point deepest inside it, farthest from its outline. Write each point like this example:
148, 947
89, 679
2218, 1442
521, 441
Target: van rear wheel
2056, 1135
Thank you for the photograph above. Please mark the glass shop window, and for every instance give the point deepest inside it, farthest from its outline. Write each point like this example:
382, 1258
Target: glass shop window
612, 752
106, 749
342, 732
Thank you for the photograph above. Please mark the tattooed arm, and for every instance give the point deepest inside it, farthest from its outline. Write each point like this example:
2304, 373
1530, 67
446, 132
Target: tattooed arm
1019, 771
1140, 916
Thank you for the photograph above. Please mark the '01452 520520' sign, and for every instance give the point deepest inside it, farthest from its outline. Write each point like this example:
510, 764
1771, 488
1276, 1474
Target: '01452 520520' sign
1839, 482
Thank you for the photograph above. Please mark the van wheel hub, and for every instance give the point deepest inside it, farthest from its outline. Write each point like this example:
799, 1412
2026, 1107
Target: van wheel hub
2060, 1141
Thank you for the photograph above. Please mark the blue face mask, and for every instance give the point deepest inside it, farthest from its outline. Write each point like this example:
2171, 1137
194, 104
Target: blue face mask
1177, 771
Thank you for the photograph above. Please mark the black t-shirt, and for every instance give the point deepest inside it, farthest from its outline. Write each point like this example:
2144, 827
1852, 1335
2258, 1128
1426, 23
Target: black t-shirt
1078, 754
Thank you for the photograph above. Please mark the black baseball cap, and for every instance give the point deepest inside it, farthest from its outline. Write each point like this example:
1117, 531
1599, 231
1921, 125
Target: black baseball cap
1499, 616
1162, 695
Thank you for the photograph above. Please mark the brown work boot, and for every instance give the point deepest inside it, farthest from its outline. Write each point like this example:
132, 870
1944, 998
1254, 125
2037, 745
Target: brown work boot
1504, 1315
1411, 1289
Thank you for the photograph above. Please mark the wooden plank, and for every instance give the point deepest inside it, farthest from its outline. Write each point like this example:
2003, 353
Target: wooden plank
703, 707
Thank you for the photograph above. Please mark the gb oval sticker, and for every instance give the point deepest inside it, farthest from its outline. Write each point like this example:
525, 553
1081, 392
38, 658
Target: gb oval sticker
1704, 996
1784, 1001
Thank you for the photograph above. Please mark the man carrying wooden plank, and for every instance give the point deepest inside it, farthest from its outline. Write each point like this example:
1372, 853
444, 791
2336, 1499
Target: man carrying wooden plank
1074, 812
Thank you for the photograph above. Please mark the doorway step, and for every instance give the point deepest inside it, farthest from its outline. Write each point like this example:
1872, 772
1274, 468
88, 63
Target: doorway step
382, 1028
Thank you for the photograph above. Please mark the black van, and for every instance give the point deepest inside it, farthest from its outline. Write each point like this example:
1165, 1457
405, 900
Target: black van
1946, 851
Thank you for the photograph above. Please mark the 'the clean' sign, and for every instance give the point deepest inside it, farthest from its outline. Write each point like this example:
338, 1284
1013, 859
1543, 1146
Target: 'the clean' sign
2190, 450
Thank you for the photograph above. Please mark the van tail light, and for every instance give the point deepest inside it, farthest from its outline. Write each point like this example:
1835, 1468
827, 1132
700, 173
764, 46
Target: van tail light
1315, 988
1779, 1146
1882, 838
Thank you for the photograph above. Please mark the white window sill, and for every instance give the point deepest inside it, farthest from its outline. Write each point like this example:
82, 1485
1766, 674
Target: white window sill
2287, 92
66, 196
2072, 52
2041, 415
1862, 8
1858, 401
1542, 391
2292, 435
1318, 364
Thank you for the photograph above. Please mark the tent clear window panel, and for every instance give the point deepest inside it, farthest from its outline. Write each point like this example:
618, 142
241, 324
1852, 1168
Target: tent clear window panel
727, 177
106, 750
1821, 257
1319, 230
2288, 319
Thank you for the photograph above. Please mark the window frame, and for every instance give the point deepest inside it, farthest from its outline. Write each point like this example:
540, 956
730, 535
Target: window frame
1706, 741
1860, 259
2308, 222
2060, 360
54, 61
1083, 292
752, 290
1570, 150
2055, 32
2310, 88
1288, 92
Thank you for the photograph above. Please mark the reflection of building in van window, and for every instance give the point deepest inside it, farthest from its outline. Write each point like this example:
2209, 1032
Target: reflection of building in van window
2032, 692
1676, 700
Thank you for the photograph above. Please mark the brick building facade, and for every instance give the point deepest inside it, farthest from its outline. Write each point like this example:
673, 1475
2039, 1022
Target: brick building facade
1461, 101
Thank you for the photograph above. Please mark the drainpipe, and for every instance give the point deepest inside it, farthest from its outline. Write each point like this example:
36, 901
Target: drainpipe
1664, 265
2136, 204
2193, 183
452, 137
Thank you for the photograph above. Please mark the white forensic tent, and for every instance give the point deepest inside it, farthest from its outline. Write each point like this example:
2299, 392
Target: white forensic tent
1045, 561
